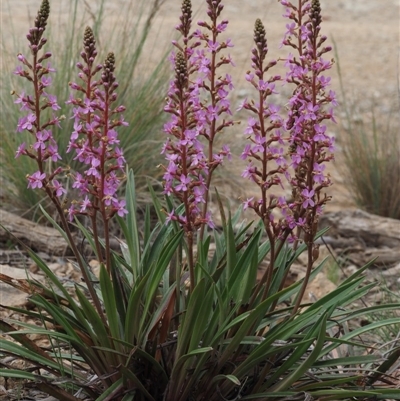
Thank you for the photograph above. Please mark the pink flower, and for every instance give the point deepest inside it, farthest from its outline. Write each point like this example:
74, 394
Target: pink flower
41, 137
184, 182
72, 211
248, 203
36, 180
19, 71
58, 188
28, 122
120, 207
251, 122
85, 204
52, 150
319, 133
53, 102
170, 217
213, 46
308, 195
21, 150
21, 99
318, 173
46, 81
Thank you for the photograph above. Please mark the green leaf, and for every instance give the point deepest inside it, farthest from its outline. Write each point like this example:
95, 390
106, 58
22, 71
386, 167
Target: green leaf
231, 253
134, 311
232, 378
110, 306
19, 374
89, 238
335, 382
195, 352
348, 360
199, 324
176, 380
156, 273
158, 312
157, 205
320, 327
99, 333
44, 362
381, 370
111, 390
195, 310
361, 330
131, 230
388, 394
242, 278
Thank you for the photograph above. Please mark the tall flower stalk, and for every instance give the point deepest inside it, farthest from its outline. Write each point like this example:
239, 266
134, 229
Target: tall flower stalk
310, 105
265, 152
302, 132
44, 149
200, 109
94, 139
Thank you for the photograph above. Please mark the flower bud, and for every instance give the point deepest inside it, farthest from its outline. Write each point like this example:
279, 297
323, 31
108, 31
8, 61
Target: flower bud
315, 13
186, 18
89, 45
181, 73
40, 24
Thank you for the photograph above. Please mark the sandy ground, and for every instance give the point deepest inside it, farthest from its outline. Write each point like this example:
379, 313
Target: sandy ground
366, 33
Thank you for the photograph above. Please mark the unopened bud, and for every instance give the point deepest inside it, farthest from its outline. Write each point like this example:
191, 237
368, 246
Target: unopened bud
315, 13
181, 73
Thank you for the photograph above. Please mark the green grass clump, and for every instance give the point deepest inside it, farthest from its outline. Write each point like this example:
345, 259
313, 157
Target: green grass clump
142, 87
372, 161
371, 149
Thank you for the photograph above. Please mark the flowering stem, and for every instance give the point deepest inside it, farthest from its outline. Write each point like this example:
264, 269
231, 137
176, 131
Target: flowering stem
102, 182
93, 213
79, 259
212, 133
185, 172
39, 158
99, 252
306, 279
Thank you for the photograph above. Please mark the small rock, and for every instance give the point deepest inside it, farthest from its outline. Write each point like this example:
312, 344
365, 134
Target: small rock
10, 296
